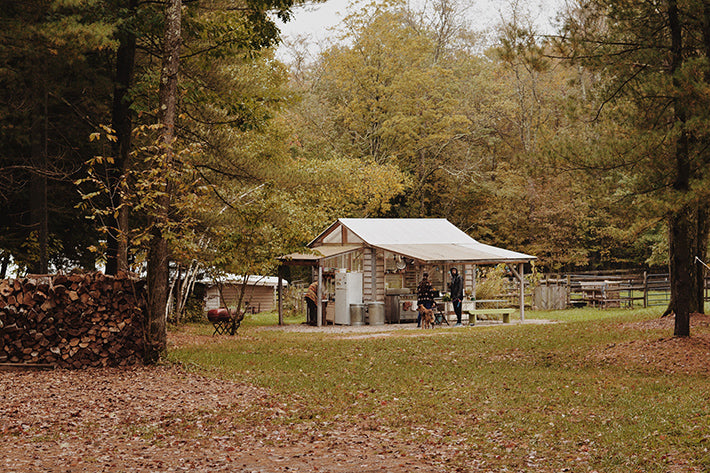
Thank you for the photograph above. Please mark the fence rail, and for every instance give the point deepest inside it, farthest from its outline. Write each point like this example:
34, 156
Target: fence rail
604, 289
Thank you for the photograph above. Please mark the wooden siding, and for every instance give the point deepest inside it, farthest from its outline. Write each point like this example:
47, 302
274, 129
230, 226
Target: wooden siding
468, 277
367, 275
380, 276
259, 298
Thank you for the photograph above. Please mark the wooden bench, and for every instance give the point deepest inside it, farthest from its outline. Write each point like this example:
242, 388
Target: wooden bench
503, 313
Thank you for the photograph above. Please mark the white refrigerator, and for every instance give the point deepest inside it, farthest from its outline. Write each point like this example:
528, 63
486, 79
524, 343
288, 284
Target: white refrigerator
348, 290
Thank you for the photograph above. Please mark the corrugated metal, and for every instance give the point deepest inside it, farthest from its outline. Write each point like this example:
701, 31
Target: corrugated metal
426, 239
252, 280
377, 231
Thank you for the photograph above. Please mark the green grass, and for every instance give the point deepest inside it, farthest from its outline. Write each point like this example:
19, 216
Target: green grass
518, 397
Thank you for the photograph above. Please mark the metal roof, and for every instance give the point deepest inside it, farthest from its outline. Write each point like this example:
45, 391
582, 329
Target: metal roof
376, 231
425, 239
252, 280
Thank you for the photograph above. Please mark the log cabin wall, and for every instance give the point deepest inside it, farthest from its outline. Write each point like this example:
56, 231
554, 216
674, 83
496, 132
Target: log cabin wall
373, 274
380, 271
468, 279
367, 275
72, 321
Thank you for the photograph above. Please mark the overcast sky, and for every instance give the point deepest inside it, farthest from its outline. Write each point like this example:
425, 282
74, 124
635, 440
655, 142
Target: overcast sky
313, 22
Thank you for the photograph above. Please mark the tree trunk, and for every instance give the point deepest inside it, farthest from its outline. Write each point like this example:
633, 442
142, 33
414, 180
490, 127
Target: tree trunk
116, 239
701, 250
186, 290
682, 223
39, 213
704, 211
681, 275
158, 257
177, 294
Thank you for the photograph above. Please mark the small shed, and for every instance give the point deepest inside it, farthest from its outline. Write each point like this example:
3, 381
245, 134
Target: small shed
260, 292
392, 254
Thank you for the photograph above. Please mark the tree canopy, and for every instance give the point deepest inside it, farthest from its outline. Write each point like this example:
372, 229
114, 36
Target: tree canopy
142, 132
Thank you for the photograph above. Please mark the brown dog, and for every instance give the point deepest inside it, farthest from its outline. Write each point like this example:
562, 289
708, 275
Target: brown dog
427, 316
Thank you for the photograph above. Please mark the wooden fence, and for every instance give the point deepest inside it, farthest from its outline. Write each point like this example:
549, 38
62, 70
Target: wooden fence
608, 289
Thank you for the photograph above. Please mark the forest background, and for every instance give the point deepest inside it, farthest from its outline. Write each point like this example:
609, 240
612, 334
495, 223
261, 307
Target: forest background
582, 147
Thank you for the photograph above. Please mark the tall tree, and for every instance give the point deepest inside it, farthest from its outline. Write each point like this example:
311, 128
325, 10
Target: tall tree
122, 124
260, 33
654, 63
158, 256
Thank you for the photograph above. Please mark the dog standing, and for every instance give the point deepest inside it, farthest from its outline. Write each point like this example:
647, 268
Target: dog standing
427, 316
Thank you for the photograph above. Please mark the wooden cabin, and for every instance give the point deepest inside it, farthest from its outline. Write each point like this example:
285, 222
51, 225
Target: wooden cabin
392, 254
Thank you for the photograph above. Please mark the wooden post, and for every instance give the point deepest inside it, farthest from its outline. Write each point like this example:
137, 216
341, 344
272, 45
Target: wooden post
645, 289
319, 296
521, 271
475, 270
280, 296
373, 273
520, 274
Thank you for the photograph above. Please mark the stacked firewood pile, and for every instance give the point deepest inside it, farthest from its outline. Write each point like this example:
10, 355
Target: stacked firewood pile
72, 321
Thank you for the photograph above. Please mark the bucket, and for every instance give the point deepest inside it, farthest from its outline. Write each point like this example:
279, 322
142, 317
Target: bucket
376, 313
357, 314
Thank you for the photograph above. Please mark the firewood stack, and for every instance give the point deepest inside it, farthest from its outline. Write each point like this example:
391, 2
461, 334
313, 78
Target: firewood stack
72, 321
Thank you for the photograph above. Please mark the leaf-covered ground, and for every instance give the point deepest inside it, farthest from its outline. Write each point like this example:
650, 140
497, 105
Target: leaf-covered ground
672, 355
162, 419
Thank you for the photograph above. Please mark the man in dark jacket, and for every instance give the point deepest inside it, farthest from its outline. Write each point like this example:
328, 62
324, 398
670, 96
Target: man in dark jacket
456, 290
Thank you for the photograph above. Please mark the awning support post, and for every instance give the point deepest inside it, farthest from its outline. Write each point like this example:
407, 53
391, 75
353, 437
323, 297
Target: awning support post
520, 274
320, 296
280, 292
475, 270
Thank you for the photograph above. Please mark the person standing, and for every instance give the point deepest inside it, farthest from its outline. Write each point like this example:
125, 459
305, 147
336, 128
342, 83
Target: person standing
456, 290
311, 300
425, 296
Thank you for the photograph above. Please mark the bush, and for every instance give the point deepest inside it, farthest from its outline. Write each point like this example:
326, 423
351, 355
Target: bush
492, 283
194, 310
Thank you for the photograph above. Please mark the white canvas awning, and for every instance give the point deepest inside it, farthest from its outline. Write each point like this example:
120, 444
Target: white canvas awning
252, 280
457, 253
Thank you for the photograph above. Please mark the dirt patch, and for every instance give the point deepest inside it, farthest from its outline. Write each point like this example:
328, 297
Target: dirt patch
668, 354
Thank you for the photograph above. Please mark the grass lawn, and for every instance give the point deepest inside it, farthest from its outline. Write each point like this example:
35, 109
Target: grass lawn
528, 397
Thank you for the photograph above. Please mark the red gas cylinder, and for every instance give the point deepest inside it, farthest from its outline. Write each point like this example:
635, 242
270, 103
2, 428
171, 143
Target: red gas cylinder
214, 315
